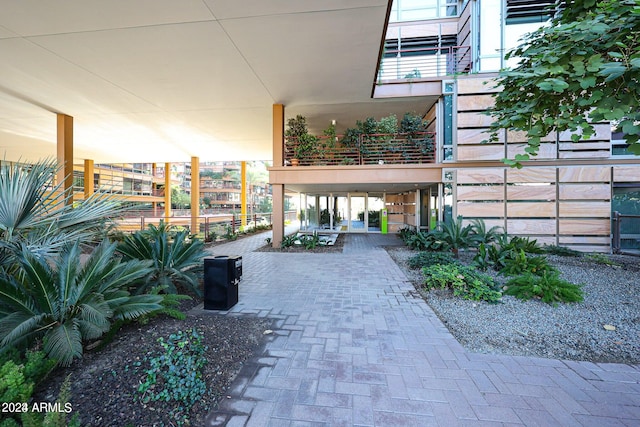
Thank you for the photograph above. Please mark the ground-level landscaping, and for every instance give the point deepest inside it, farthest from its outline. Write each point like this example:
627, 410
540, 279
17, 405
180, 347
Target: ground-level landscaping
105, 384
604, 327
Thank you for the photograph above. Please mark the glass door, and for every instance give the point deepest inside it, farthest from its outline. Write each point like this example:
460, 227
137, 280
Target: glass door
357, 213
375, 204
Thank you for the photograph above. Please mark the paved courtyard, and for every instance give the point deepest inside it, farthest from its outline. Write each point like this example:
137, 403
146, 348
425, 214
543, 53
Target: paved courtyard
353, 346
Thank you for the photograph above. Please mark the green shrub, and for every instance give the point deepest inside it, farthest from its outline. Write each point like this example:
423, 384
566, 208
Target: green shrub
309, 241
175, 375
465, 282
561, 251
405, 232
170, 305
59, 418
14, 386
288, 241
173, 263
480, 234
518, 263
602, 259
454, 236
481, 260
211, 237
510, 256
229, 233
517, 243
549, 287
70, 301
426, 259
419, 241
18, 378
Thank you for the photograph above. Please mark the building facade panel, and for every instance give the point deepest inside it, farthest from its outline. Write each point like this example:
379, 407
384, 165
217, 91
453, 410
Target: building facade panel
531, 210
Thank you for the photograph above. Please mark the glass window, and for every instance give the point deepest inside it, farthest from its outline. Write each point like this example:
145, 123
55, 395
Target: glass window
515, 18
490, 34
447, 127
417, 10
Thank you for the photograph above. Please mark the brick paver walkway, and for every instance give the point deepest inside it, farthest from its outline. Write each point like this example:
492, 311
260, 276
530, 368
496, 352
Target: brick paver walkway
353, 346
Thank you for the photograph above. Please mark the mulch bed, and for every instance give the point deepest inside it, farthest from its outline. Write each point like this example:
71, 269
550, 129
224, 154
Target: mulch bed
104, 383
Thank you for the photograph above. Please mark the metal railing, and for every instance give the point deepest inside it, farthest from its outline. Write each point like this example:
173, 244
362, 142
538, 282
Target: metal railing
365, 150
423, 64
626, 234
218, 225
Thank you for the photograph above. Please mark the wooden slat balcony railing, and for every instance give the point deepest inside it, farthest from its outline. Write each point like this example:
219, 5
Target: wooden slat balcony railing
367, 150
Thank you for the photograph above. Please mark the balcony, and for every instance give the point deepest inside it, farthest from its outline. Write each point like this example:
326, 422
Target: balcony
371, 149
408, 65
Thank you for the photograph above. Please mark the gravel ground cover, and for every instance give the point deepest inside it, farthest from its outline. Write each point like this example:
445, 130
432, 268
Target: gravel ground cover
573, 331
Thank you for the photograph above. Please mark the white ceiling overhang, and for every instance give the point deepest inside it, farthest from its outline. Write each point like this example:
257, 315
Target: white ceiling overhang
164, 80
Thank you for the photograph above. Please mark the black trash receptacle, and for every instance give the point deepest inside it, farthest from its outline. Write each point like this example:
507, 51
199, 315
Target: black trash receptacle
222, 274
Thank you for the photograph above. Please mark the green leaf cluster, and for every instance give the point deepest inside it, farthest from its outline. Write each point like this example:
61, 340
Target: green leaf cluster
451, 236
426, 259
173, 257
520, 263
37, 215
175, 374
67, 301
548, 287
19, 376
465, 282
583, 68
511, 256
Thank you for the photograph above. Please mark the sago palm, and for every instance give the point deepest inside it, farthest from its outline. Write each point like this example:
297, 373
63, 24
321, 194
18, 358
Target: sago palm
454, 236
480, 234
66, 302
173, 262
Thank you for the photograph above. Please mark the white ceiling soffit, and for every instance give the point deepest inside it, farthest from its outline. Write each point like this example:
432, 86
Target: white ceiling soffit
164, 80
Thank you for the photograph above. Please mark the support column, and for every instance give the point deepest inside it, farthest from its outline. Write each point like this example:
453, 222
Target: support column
277, 190
88, 179
167, 192
243, 193
154, 205
278, 135
195, 194
65, 155
277, 193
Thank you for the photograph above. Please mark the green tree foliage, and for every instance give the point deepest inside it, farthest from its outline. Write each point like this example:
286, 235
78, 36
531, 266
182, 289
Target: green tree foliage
583, 68
66, 301
179, 198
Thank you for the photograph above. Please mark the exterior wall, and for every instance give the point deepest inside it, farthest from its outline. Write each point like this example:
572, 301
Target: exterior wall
566, 202
560, 205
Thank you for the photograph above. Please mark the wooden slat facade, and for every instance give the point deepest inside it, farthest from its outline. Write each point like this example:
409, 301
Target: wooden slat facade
564, 204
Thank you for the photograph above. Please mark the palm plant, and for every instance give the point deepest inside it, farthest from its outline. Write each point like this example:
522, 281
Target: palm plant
454, 236
480, 234
36, 215
172, 262
66, 302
